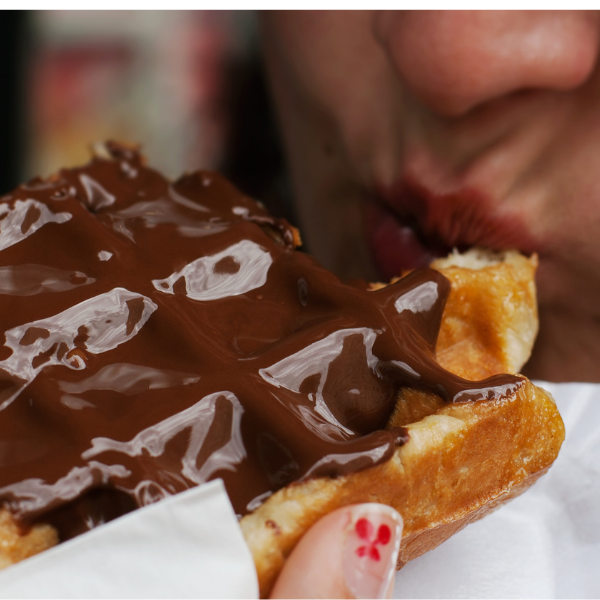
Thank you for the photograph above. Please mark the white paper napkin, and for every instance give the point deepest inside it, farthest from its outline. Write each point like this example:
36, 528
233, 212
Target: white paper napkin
187, 546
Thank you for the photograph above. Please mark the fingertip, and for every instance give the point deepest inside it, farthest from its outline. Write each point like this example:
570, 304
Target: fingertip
314, 568
349, 553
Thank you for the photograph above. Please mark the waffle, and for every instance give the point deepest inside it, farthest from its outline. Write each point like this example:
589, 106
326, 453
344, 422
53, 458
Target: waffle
461, 461
243, 316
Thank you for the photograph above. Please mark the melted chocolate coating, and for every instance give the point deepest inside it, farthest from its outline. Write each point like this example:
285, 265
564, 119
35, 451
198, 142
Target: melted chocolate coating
158, 335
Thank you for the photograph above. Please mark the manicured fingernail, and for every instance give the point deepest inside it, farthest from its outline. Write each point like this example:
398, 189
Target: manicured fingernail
371, 549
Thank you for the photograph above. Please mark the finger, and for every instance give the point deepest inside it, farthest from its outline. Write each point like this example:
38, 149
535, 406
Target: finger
350, 553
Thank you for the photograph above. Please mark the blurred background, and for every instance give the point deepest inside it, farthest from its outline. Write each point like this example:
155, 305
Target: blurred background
188, 85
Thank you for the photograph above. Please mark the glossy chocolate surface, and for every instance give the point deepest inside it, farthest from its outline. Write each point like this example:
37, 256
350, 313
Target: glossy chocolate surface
158, 335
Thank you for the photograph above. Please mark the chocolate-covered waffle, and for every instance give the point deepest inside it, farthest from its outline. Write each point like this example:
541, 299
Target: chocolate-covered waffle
161, 334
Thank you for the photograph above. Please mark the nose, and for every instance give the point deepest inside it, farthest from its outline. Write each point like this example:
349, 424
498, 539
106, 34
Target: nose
455, 61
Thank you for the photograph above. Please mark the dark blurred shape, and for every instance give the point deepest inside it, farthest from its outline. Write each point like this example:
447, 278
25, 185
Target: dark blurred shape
254, 158
13, 45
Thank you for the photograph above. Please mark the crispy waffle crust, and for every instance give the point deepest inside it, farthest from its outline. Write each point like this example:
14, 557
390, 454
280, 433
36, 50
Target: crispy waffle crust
17, 544
461, 460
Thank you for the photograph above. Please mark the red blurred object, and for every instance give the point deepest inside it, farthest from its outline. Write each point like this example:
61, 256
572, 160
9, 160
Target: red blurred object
157, 78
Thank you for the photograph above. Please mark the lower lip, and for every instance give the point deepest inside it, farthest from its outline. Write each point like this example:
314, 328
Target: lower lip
394, 246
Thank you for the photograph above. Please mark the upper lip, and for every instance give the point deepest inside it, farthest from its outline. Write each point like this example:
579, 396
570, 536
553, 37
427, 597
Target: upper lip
458, 219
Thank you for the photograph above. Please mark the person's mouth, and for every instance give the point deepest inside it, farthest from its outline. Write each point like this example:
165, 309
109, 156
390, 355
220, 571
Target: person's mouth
409, 226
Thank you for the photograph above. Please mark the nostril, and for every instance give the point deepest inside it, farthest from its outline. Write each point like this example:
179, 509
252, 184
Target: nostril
455, 60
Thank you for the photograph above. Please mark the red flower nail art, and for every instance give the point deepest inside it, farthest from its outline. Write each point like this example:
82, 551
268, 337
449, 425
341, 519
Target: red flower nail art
365, 531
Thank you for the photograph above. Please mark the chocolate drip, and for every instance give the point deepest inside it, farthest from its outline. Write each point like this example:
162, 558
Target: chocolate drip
159, 335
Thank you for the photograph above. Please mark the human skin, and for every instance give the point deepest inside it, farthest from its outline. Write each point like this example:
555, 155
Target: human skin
325, 563
409, 133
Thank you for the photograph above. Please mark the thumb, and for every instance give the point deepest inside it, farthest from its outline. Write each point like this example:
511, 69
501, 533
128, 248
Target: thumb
349, 553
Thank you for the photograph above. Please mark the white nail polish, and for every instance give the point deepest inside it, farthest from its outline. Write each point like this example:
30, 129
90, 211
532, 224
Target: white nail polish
371, 549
